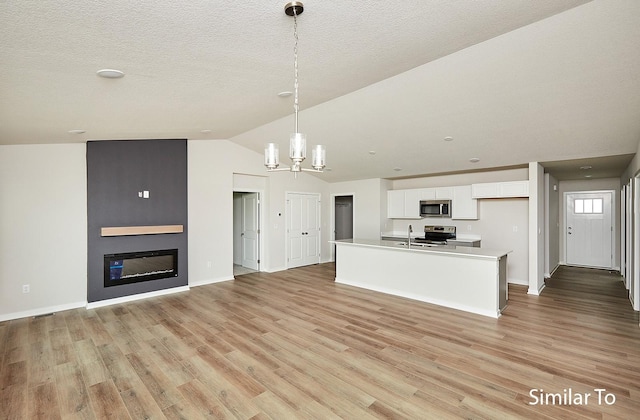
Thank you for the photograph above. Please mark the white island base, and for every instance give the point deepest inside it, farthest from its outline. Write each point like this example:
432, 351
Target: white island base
468, 279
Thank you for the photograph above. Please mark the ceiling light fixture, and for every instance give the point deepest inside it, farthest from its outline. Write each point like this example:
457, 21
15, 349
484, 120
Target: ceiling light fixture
298, 142
474, 160
77, 131
110, 73
586, 167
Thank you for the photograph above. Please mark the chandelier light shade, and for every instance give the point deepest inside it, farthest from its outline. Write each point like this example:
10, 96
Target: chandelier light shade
271, 156
298, 147
318, 157
297, 141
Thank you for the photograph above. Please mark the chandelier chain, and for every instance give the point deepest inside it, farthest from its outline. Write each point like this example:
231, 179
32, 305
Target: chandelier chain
295, 68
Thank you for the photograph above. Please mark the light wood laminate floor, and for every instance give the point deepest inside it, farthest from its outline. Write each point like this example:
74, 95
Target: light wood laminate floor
295, 345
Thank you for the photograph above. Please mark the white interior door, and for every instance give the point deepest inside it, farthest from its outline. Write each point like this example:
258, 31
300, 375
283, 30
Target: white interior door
589, 229
303, 229
250, 231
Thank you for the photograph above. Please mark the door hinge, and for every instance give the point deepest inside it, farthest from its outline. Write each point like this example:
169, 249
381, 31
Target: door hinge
258, 231
258, 261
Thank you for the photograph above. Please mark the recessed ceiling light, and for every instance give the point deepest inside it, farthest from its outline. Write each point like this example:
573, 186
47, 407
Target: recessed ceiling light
110, 73
474, 160
285, 94
397, 169
588, 176
448, 138
372, 152
205, 131
585, 167
77, 131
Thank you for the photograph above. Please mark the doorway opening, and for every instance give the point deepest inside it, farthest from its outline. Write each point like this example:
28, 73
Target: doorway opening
342, 219
246, 233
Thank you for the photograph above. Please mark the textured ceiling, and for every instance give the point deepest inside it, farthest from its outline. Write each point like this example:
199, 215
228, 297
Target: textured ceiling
505, 77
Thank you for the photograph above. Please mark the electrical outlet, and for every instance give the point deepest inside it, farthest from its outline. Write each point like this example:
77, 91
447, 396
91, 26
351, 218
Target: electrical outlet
515, 228
468, 227
208, 264
26, 288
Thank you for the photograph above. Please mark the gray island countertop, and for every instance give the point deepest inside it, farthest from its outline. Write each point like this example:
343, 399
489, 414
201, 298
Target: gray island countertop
467, 251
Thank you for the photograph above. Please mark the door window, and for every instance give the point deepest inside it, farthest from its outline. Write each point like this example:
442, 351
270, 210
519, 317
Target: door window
587, 206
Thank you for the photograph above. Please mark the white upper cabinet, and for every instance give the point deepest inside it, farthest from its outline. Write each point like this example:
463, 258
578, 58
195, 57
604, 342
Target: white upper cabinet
412, 203
395, 204
444, 193
514, 189
426, 194
500, 189
464, 207
403, 204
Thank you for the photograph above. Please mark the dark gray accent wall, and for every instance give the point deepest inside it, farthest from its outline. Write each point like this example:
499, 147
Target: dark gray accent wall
116, 172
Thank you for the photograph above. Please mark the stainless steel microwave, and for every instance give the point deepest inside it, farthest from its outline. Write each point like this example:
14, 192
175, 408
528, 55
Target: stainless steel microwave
435, 208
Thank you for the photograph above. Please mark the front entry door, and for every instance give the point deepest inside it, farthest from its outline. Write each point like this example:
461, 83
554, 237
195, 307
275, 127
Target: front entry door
250, 230
303, 229
589, 229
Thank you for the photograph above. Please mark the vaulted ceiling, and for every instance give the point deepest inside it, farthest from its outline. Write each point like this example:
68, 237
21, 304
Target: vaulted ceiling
382, 83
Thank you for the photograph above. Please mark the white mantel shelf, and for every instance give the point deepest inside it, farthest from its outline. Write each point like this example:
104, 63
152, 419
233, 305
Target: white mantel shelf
463, 278
140, 230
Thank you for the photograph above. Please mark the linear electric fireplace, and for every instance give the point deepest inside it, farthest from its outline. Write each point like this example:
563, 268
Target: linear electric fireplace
134, 267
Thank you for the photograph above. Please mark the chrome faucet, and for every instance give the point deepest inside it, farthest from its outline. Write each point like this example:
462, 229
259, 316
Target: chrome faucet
409, 236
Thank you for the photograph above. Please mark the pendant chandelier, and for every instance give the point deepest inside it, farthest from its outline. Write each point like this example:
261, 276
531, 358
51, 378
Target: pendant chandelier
298, 141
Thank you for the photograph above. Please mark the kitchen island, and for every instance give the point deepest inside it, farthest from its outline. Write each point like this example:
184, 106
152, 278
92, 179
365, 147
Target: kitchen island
464, 278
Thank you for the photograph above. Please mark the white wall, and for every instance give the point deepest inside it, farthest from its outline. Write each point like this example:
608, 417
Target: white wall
592, 185
43, 229
366, 205
464, 178
279, 184
43, 220
213, 169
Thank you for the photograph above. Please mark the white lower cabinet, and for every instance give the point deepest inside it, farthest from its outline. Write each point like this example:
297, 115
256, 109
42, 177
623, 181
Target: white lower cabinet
463, 205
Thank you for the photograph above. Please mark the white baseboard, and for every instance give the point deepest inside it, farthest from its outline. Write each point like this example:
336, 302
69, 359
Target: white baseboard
548, 275
274, 270
518, 281
536, 292
210, 281
139, 296
42, 311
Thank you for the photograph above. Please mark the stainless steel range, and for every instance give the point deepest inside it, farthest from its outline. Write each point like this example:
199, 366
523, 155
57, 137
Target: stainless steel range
437, 235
